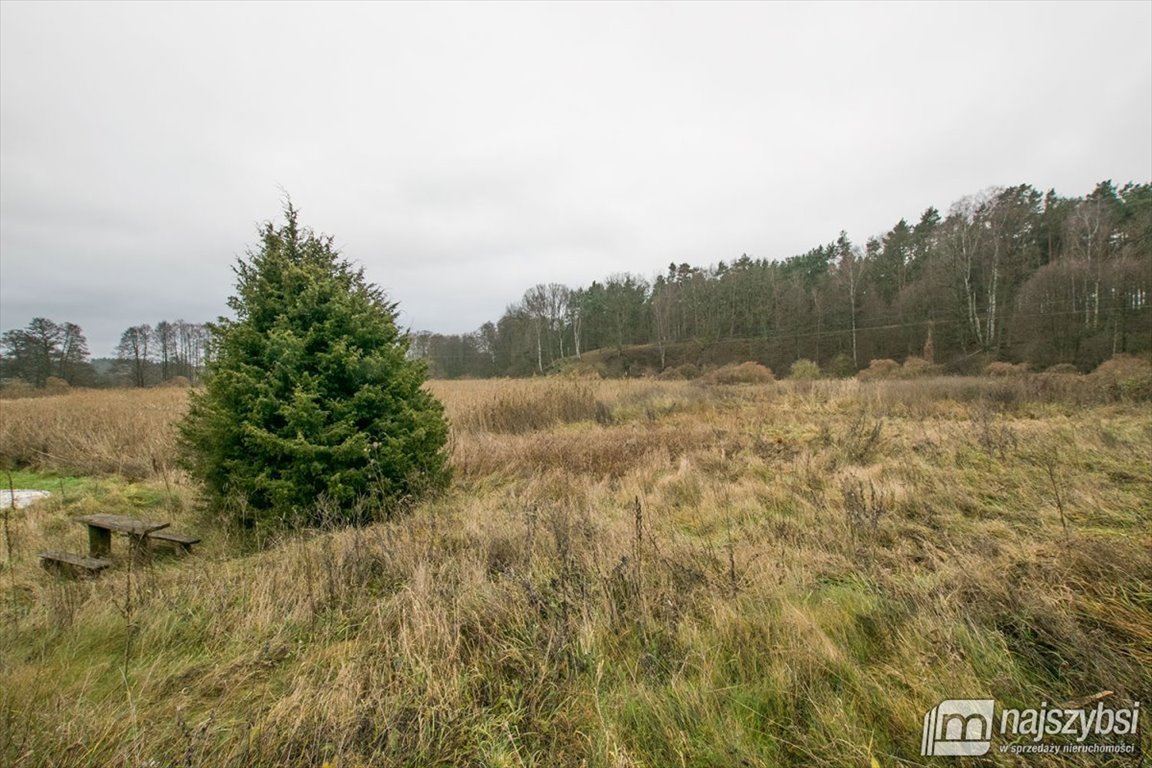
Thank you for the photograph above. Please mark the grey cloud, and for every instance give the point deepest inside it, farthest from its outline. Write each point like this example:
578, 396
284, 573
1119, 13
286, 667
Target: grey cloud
464, 152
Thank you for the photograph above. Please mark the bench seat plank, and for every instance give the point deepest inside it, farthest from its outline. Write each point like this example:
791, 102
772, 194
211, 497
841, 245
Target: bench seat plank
56, 558
182, 539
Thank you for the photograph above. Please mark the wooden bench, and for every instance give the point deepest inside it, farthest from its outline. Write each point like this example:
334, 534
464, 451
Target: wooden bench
54, 560
184, 540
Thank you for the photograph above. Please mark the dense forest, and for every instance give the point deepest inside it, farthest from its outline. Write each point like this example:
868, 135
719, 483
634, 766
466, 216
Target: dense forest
1011, 274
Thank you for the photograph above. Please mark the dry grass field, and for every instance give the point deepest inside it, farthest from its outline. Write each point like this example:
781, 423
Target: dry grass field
623, 574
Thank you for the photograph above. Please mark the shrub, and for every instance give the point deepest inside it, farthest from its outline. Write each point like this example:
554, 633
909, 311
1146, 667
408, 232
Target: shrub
680, 373
1125, 377
841, 367
179, 382
916, 367
740, 373
1063, 368
882, 368
1000, 368
54, 385
580, 370
310, 394
804, 370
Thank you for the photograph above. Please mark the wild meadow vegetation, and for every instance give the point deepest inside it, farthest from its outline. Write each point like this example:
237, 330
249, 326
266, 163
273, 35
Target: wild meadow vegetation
622, 573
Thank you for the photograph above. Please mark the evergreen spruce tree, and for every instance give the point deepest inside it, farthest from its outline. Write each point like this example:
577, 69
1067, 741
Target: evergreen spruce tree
311, 395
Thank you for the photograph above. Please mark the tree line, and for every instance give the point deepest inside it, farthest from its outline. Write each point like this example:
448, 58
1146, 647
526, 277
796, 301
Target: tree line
1010, 273
149, 355
44, 352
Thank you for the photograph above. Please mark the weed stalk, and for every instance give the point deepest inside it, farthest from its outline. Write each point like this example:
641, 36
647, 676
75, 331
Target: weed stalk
7, 516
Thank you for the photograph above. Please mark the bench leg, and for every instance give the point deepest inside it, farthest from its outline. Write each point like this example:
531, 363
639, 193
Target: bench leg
99, 541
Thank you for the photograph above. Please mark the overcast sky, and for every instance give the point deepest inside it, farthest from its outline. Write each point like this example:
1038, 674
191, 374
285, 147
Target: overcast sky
462, 153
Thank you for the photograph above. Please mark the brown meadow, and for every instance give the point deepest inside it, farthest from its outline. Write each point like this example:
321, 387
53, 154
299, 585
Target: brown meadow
624, 573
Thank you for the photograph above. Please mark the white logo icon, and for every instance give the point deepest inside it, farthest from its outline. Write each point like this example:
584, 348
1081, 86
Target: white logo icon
958, 727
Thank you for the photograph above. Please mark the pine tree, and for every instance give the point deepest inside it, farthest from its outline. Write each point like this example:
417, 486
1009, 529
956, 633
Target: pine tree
310, 393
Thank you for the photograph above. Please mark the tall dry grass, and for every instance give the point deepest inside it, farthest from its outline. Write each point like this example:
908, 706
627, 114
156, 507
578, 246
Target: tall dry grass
124, 432
515, 406
496, 423
676, 574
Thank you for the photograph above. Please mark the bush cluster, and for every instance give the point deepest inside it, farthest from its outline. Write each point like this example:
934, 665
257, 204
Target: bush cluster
804, 370
1125, 377
740, 373
1001, 368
